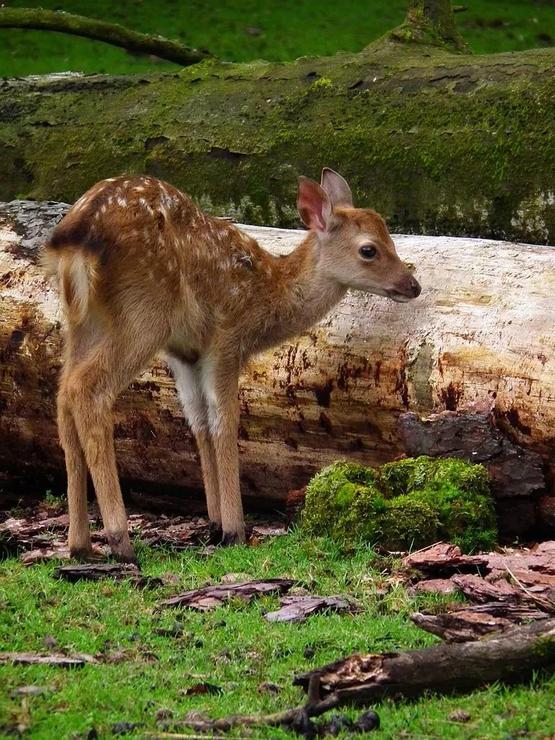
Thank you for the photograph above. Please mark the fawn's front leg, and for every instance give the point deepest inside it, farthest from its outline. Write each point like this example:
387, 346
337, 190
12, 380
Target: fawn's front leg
221, 383
188, 382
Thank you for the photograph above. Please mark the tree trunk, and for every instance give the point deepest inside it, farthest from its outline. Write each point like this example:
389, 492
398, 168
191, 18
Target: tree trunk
481, 335
438, 142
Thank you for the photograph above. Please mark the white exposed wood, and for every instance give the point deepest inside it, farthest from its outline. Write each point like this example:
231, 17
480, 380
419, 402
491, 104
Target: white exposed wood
480, 336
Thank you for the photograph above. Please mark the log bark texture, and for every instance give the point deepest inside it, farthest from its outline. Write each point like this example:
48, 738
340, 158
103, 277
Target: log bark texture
438, 142
480, 336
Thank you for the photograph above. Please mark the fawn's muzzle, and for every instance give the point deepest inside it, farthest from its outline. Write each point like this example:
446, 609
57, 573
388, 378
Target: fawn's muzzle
405, 290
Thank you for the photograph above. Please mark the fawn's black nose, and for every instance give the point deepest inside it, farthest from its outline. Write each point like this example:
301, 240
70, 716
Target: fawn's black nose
414, 287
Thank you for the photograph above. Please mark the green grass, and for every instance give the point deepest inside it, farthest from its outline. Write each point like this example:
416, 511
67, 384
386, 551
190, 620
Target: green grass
242, 30
232, 647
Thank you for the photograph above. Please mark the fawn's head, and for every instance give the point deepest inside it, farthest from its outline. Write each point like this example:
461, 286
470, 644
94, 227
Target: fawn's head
355, 246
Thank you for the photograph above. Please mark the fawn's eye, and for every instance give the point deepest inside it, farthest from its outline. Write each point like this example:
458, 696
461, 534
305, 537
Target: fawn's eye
367, 252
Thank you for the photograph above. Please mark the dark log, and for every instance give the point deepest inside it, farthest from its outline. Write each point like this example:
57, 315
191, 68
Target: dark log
510, 657
514, 471
92, 28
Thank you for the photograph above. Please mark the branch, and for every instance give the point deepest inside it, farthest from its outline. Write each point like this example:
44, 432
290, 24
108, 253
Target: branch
430, 23
110, 33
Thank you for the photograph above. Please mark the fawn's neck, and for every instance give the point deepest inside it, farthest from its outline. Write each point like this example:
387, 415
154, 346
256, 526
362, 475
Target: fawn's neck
303, 294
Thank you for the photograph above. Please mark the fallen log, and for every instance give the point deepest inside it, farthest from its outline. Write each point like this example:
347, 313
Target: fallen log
479, 336
512, 656
440, 142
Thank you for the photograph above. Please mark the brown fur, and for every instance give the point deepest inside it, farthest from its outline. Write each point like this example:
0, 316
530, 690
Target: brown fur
142, 269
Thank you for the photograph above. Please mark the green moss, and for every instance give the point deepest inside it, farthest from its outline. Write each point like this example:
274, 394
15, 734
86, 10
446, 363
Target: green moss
405, 504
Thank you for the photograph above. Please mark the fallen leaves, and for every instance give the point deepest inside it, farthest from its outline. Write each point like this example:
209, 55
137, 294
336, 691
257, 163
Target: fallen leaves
299, 608
210, 597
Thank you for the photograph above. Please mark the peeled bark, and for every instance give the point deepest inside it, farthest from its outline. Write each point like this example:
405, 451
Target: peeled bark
481, 335
438, 142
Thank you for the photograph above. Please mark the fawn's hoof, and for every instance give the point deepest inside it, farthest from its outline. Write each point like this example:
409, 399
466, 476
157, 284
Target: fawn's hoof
121, 548
86, 554
232, 538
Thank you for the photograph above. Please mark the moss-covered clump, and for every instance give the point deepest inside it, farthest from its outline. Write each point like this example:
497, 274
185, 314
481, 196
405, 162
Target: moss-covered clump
405, 504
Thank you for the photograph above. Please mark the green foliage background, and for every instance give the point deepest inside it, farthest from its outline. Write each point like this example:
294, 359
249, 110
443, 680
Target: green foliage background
242, 30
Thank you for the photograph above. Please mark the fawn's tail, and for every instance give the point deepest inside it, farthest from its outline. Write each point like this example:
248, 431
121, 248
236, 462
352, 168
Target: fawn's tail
75, 272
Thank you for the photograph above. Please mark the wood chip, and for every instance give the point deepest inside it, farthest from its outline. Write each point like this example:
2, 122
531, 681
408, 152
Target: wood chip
97, 571
443, 557
210, 597
460, 626
478, 589
64, 661
299, 608
433, 586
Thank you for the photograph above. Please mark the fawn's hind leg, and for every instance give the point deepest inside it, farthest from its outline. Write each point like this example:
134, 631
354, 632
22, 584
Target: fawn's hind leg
92, 387
79, 537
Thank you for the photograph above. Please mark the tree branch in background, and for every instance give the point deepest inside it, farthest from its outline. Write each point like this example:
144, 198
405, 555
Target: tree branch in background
432, 23
109, 33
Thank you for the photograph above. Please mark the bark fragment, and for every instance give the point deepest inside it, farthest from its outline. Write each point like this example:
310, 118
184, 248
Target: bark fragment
63, 661
210, 597
299, 608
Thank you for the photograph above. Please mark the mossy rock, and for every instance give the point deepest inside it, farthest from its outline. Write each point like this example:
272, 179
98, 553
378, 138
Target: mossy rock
403, 505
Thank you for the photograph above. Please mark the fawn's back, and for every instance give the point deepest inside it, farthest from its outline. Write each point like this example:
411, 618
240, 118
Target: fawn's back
136, 255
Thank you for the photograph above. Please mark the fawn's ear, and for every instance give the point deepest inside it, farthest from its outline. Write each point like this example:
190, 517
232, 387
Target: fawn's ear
337, 188
314, 205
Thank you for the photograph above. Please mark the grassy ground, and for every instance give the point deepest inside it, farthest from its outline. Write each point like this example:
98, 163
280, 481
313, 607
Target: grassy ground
242, 30
232, 647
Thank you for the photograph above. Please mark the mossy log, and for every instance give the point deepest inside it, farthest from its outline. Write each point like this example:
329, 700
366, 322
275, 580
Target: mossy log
439, 142
481, 335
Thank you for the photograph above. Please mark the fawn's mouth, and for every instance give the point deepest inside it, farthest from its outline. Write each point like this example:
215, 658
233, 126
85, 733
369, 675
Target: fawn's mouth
398, 297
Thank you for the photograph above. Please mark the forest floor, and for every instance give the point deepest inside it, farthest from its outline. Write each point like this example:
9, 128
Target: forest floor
276, 30
158, 665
